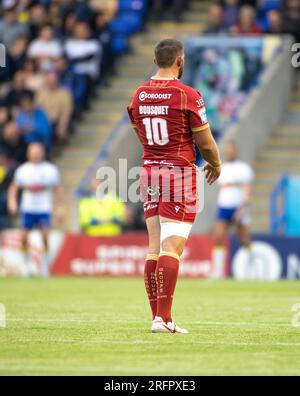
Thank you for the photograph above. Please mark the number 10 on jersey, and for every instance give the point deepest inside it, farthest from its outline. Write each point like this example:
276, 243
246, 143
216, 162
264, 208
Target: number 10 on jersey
156, 131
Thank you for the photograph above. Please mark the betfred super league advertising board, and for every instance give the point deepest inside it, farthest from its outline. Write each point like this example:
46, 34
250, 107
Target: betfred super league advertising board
271, 258
125, 256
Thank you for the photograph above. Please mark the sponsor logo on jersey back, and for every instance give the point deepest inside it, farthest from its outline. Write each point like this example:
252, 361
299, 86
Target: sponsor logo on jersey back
146, 95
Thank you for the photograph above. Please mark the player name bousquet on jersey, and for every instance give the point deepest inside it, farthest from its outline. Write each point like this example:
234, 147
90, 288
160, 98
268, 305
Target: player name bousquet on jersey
154, 110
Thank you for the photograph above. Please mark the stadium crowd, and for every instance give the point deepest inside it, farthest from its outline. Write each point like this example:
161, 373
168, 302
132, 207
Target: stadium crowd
225, 73
57, 52
255, 17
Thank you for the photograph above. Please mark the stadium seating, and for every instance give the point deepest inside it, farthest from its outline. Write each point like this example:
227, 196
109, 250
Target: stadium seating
129, 20
138, 6
112, 33
279, 157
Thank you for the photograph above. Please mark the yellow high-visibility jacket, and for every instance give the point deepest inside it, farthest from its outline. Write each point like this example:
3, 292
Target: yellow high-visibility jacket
106, 211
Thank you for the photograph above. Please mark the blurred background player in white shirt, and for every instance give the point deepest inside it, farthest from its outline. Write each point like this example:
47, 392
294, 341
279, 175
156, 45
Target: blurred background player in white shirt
235, 186
37, 180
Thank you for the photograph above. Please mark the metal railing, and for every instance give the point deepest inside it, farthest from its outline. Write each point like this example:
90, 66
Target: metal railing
277, 206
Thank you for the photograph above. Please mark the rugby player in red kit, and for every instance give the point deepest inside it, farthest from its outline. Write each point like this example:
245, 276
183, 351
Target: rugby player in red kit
169, 119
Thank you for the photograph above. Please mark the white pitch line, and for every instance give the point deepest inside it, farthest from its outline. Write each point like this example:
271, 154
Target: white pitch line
154, 342
254, 344
242, 324
204, 323
48, 320
134, 370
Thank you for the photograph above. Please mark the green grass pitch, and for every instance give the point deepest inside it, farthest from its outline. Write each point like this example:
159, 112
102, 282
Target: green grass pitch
101, 327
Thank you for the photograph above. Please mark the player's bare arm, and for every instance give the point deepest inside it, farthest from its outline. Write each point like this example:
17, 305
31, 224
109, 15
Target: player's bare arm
12, 199
59, 202
209, 151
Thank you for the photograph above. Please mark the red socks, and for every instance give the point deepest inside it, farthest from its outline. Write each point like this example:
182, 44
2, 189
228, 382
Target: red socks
150, 281
166, 275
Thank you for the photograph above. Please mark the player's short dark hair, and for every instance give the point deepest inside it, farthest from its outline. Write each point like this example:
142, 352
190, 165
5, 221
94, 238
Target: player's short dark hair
166, 52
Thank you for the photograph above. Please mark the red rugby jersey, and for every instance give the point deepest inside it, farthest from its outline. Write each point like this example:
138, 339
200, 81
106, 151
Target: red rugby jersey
165, 114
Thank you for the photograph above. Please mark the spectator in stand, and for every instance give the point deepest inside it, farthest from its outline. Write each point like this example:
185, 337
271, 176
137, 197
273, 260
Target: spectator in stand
23, 10
58, 104
80, 9
170, 9
10, 28
34, 79
6, 176
33, 122
247, 23
46, 48
11, 100
231, 12
13, 144
108, 7
4, 117
263, 8
84, 52
16, 56
274, 22
53, 12
291, 18
68, 26
216, 21
38, 19
104, 35
74, 82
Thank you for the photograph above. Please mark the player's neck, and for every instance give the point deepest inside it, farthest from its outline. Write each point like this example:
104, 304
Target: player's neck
36, 162
165, 74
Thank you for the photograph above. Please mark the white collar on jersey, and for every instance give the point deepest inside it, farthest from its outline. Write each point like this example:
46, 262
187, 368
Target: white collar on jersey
164, 78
